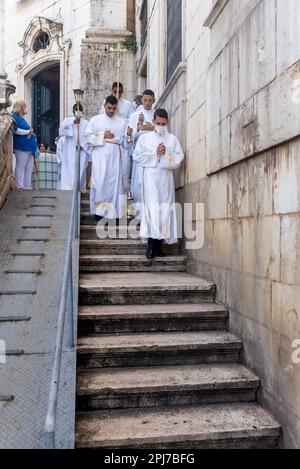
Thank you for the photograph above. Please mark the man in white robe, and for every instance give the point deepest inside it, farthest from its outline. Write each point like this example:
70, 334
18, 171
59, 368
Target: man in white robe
125, 109
68, 144
105, 137
158, 153
141, 122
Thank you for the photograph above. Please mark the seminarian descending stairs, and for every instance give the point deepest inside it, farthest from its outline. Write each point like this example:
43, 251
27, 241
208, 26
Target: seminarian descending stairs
157, 366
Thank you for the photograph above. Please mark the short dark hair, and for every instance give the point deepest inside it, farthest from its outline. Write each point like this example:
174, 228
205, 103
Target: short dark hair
116, 84
111, 100
161, 113
149, 93
79, 106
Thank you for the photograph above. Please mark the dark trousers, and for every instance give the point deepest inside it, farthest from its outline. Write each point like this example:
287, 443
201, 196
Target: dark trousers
155, 243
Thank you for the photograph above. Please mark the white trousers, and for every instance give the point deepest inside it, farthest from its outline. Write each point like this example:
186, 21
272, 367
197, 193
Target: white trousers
24, 168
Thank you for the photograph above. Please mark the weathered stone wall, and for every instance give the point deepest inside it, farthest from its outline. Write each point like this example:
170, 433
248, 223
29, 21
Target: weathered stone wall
98, 72
240, 100
131, 5
109, 14
250, 140
252, 252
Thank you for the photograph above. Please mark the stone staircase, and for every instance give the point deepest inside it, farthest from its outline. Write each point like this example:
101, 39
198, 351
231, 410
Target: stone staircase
157, 366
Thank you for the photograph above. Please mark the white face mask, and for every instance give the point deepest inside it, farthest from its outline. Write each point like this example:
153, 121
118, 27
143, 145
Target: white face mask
78, 114
161, 130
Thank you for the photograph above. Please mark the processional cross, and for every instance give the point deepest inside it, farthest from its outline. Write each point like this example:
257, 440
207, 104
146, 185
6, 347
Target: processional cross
118, 50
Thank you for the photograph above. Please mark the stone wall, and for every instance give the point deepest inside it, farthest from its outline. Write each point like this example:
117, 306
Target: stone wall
98, 72
252, 252
239, 97
109, 14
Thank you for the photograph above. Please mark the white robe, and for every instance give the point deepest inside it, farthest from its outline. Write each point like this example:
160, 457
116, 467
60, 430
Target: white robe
137, 171
69, 131
59, 153
60, 149
159, 220
107, 188
125, 109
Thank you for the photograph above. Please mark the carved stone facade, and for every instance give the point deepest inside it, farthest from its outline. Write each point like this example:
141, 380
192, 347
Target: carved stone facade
6, 90
36, 27
76, 38
99, 65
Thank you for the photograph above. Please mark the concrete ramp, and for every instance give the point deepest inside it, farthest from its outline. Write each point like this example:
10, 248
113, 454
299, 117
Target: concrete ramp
33, 239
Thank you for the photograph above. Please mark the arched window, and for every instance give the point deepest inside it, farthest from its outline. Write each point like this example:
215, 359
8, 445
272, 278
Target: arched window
41, 41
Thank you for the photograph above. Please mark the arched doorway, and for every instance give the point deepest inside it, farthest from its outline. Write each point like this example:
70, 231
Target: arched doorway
46, 105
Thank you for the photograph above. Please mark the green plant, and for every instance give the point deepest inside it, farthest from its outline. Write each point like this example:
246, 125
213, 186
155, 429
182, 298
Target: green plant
130, 43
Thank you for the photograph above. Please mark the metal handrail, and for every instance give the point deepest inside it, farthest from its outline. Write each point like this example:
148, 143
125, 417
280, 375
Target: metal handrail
67, 291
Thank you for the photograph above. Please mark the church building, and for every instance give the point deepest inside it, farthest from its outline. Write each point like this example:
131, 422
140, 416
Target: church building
52, 47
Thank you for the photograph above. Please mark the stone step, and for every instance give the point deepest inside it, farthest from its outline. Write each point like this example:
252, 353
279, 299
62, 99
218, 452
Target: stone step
121, 247
156, 349
216, 426
151, 318
85, 202
123, 388
131, 264
144, 288
91, 232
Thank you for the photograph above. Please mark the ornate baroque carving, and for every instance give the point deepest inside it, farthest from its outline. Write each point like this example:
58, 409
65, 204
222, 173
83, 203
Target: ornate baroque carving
37, 26
6, 90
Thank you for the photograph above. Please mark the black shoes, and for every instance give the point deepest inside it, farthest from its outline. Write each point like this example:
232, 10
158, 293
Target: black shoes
159, 250
155, 248
97, 218
150, 254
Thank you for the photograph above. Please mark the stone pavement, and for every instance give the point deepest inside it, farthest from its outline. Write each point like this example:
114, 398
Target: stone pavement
33, 234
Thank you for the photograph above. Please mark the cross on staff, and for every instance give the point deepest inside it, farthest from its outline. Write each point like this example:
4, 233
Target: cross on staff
118, 50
